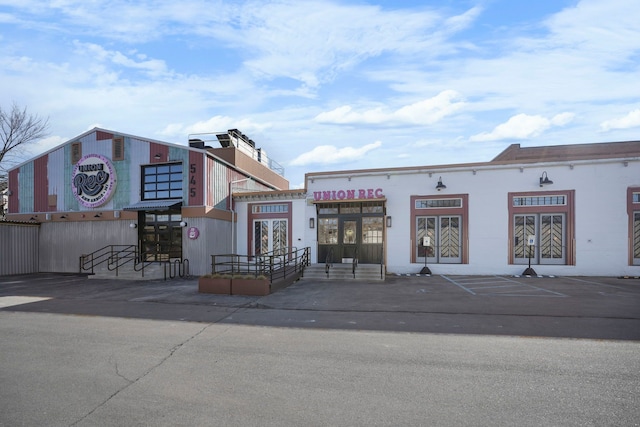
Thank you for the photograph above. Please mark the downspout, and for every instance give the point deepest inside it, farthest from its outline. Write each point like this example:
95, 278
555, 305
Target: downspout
233, 213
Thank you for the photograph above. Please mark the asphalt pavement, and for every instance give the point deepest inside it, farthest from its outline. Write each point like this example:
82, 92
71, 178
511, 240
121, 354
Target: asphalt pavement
414, 351
570, 307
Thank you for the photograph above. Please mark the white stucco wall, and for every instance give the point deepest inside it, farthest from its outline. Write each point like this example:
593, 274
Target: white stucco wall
601, 221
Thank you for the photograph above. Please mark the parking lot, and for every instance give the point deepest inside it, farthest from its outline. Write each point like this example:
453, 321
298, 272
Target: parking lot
438, 350
576, 307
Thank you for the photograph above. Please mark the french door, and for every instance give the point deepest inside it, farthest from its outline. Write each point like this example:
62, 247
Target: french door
547, 232
270, 236
439, 238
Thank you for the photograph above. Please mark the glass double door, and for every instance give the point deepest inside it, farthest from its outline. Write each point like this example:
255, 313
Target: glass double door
540, 237
439, 238
348, 237
270, 236
160, 235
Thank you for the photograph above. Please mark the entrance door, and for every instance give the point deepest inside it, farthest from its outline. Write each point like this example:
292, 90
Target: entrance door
270, 237
161, 235
549, 245
439, 238
350, 238
350, 230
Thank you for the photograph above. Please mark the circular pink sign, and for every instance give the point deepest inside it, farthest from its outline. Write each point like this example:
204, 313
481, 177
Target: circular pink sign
193, 233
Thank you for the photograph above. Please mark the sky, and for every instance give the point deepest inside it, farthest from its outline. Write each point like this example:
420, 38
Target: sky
329, 85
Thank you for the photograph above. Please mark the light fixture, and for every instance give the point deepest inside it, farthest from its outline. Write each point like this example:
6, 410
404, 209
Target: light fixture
440, 185
183, 223
33, 218
388, 221
544, 179
158, 156
98, 215
63, 216
312, 223
133, 225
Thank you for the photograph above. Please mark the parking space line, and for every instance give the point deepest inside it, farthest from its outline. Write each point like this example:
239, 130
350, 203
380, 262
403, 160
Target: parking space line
497, 286
537, 288
458, 285
589, 282
493, 287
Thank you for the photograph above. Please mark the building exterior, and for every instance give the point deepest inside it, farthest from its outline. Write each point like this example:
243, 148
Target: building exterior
566, 210
109, 188
563, 210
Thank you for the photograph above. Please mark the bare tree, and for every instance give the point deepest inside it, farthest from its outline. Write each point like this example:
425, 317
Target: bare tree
18, 129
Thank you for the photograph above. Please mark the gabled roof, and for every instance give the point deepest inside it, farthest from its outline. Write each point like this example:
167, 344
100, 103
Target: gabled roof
98, 131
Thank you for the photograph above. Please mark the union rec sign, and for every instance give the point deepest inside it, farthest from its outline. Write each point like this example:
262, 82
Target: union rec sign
93, 180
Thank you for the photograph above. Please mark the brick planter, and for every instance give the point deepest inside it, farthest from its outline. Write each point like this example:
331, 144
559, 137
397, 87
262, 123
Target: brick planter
254, 287
214, 285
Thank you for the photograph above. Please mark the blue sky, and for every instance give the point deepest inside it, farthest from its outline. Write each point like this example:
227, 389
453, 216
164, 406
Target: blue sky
330, 85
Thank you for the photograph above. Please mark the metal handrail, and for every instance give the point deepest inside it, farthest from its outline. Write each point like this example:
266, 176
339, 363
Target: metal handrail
354, 263
273, 265
116, 256
382, 261
141, 264
328, 261
106, 254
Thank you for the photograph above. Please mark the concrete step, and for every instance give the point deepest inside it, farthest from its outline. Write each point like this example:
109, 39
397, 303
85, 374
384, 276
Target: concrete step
343, 272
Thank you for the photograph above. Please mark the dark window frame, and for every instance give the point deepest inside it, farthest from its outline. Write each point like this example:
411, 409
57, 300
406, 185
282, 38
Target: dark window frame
161, 181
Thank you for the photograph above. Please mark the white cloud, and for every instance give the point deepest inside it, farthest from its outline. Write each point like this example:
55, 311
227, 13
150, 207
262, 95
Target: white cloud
333, 38
214, 125
154, 67
631, 120
523, 126
330, 154
424, 112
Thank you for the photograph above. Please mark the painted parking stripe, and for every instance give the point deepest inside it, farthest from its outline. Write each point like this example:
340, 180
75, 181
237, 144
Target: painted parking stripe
589, 282
501, 286
458, 285
538, 288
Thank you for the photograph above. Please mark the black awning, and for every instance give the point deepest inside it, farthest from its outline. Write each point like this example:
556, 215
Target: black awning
154, 205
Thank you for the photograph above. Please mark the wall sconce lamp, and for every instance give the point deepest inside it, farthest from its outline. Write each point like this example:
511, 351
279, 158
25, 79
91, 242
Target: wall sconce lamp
63, 217
544, 179
158, 156
183, 223
388, 221
312, 223
440, 185
133, 225
98, 215
33, 218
